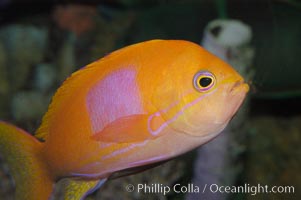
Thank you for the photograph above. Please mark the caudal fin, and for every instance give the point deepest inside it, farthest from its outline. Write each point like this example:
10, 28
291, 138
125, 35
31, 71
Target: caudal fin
22, 153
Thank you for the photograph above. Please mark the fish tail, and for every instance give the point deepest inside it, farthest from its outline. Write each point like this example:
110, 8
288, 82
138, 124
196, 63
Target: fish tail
22, 152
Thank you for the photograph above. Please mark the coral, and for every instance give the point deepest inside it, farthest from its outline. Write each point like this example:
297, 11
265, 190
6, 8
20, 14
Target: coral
6, 183
66, 61
4, 84
274, 155
28, 105
45, 77
108, 34
25, 47
75, 18
230, 40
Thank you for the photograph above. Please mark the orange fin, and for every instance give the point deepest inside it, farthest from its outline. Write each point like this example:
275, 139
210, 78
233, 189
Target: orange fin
133, 128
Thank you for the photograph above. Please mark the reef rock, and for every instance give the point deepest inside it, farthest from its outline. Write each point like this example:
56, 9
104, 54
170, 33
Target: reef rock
25, 46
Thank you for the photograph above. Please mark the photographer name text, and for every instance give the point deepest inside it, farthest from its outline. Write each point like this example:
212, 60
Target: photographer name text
158, 188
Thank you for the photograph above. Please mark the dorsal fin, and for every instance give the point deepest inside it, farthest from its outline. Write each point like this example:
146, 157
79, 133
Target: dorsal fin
67, 89
61, 93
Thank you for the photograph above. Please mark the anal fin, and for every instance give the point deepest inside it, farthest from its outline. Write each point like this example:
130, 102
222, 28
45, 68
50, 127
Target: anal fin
75, 189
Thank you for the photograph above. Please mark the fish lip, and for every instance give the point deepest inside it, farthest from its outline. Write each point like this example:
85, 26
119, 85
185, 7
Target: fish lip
239, 84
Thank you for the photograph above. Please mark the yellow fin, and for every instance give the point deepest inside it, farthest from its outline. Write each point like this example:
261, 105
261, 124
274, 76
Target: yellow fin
75, 189
21, 152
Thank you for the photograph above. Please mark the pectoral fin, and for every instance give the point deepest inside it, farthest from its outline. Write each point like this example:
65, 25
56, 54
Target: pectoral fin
133, 128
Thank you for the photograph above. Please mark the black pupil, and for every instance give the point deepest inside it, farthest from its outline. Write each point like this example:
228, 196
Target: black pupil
204, 82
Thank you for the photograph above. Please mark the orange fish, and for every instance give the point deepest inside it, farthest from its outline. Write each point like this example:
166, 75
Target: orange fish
140, 105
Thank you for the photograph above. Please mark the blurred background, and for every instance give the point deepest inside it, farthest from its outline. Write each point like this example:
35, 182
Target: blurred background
42, 43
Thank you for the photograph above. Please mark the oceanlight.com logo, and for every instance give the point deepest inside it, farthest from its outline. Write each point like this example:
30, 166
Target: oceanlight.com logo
157, 188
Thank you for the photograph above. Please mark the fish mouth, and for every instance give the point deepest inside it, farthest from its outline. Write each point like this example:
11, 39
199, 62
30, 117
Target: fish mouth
238, 86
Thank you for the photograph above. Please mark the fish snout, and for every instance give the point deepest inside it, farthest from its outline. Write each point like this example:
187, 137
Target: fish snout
239, 86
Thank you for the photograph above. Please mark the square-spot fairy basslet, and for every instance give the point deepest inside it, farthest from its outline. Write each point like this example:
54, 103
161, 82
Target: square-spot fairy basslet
140, 105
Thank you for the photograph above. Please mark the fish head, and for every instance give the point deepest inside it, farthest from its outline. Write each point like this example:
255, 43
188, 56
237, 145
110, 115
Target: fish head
200, 93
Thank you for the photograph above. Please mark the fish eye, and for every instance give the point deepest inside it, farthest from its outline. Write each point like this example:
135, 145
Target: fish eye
203, 81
